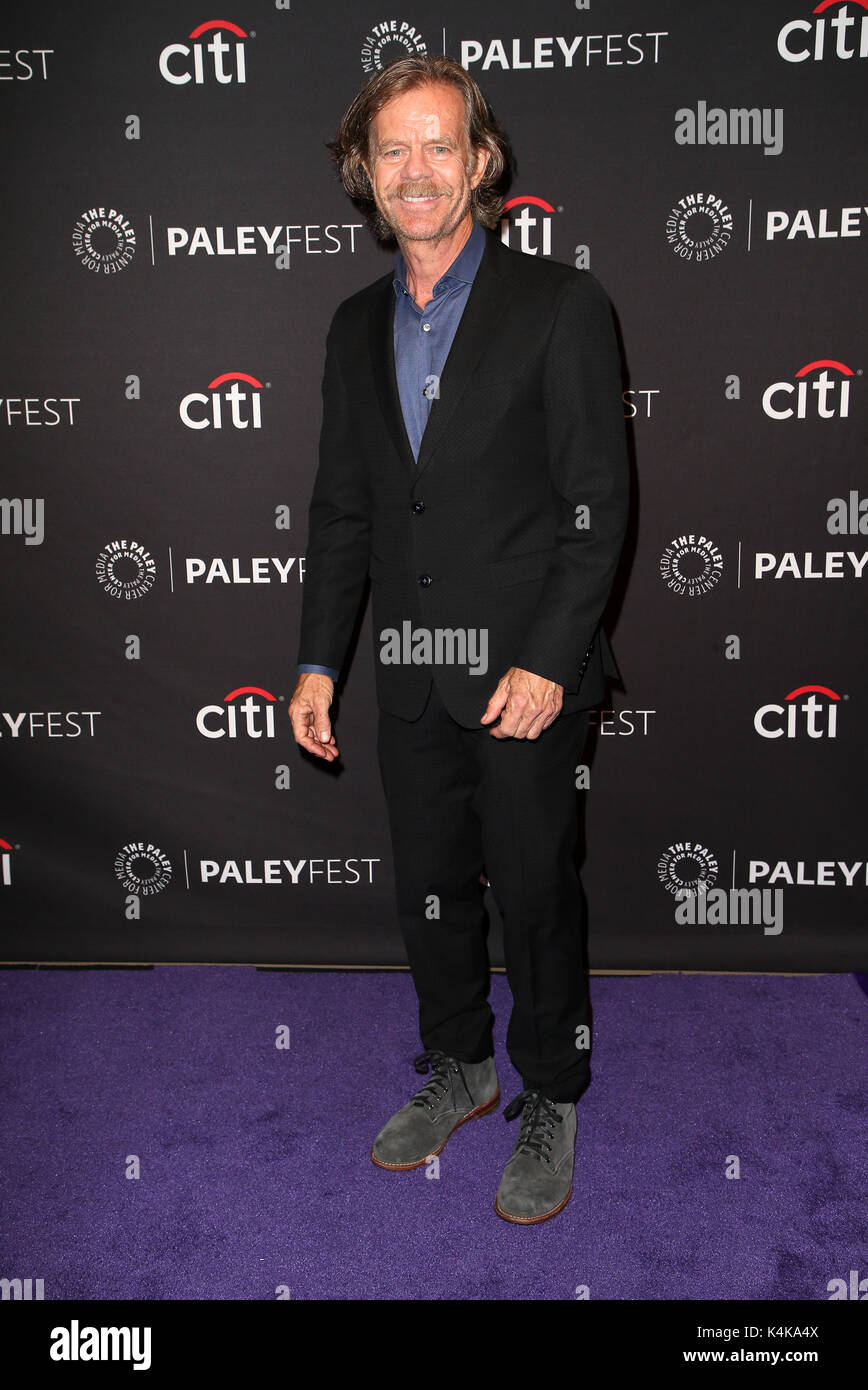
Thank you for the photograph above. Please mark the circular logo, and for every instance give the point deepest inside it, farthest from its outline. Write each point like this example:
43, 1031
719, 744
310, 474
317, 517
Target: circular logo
143, 869
388, 40
125, 569
687, 866
699, 227
104, 240
691, 565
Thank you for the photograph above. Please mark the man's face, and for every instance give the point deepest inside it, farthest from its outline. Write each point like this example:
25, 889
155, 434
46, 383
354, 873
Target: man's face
419, 173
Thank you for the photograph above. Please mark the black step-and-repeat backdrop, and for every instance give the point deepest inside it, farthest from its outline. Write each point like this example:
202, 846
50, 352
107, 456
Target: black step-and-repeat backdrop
173, 244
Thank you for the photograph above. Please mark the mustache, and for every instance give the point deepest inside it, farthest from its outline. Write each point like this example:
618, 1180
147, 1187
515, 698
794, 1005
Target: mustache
407, 190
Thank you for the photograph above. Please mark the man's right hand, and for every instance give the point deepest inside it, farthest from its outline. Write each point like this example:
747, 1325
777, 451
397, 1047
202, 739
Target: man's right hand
309, 712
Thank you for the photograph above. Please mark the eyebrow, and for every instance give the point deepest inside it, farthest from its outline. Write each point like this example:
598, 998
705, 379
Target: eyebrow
434, 140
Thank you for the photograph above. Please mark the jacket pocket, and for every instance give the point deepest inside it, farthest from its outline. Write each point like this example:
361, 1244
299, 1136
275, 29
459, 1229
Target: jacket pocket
521, 568
494, 376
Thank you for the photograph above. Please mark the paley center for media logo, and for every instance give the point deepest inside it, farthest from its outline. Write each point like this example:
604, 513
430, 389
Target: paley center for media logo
221, 59
689, 871
104, 240
691, 565
244, 406
390, 39
827, 397
699, 227
832, 32
126, 569
143, 868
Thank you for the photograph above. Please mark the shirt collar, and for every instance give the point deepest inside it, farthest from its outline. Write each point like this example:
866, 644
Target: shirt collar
462, 270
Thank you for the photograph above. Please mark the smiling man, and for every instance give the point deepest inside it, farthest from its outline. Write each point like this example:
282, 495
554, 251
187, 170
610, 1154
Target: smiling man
473, 463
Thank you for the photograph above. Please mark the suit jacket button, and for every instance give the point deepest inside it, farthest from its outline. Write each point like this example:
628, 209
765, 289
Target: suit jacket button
417, 507
424, 580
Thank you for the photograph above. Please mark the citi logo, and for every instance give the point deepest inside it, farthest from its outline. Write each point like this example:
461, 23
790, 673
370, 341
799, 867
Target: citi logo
5, 864
234, 396
841, 35
253, 717
533, 224
831, 397
175, 57
818, 719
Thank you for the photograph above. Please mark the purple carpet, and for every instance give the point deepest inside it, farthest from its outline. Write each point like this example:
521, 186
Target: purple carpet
254, 1166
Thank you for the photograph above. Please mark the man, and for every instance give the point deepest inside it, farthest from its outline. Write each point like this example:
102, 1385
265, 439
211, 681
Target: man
473, 462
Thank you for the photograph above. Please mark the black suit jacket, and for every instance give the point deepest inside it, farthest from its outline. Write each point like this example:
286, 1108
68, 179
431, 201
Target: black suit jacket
482, 533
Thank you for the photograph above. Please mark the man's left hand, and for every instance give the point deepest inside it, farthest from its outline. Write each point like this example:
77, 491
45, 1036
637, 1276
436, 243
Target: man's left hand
526, 703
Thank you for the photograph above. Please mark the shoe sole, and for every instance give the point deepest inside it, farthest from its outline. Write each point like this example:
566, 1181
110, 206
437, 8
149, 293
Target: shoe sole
420, 1163
533, 1220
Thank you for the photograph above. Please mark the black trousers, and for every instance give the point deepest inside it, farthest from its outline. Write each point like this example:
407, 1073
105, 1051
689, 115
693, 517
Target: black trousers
459, 799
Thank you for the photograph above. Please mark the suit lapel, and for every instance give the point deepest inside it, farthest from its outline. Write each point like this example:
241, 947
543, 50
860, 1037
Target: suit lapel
486, 301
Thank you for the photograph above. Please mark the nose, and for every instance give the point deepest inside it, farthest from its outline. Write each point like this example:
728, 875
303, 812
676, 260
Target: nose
417, 166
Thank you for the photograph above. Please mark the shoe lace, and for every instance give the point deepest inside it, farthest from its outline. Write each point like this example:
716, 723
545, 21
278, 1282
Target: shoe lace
440, 1065
536, 1129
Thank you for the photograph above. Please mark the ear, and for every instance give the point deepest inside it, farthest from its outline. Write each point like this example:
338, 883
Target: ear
481, 162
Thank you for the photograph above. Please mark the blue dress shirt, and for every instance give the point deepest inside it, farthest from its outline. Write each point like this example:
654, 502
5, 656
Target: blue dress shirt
422, 339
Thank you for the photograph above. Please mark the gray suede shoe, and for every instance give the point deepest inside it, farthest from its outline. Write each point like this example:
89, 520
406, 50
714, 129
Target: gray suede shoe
457, 1091
538, 1179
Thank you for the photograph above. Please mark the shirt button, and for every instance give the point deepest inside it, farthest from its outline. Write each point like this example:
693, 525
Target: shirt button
424, 580
417, 507
426, 328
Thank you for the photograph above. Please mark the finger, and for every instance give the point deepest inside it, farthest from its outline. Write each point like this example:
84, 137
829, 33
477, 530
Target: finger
322, 723
536, 726
311, 742
551, 717
509, 722
495, 704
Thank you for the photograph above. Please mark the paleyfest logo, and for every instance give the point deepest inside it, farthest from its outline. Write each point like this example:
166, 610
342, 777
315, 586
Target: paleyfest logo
104, 241
699, 227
